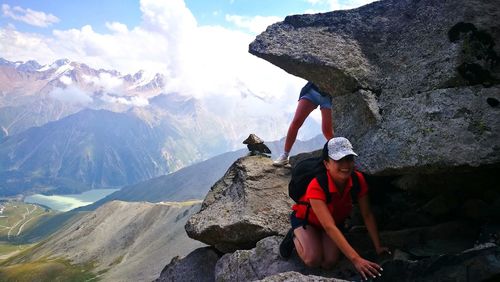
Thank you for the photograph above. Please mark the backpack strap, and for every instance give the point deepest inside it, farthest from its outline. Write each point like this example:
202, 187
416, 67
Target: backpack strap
356, 189
322, 178
323, 183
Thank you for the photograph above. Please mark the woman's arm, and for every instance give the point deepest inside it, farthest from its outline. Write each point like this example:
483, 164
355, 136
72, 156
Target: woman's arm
371, 224
365, 267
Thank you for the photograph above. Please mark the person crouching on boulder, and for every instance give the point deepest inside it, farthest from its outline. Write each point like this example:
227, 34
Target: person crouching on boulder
316, 226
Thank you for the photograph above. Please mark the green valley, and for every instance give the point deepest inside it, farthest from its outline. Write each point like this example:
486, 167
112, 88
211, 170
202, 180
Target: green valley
16, 220
46, 270
16, 217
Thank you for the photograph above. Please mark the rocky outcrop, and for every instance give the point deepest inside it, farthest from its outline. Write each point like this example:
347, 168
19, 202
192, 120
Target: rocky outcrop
427, 231
249, 203
416, 87
416, 84
263, 262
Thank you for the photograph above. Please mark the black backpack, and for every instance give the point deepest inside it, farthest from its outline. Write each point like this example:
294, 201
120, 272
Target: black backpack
306, 170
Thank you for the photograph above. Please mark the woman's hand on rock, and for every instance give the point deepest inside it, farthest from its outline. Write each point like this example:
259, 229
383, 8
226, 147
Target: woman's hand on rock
367, 268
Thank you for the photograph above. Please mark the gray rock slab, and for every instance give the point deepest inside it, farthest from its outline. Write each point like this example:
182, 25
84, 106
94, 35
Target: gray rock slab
249, 203
426, 257
431, 132
199, 265
481, 263
264, 261
415, 84
293, 276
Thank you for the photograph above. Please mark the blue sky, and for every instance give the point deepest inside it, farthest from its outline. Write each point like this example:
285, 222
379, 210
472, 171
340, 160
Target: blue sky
75, 14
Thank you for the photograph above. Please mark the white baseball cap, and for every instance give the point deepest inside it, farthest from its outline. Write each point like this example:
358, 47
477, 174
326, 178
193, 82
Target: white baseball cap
339, 147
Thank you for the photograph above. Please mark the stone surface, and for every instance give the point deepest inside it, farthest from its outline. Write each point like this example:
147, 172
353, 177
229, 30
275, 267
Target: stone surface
264, 261
415, 83
249, 203
197, 266
293, 276
478, 264
420, 255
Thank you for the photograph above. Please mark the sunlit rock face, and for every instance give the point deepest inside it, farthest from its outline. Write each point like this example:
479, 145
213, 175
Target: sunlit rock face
249, 203
415, 83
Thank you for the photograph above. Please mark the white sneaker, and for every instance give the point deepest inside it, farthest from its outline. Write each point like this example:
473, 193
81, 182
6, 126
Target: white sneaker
281, 161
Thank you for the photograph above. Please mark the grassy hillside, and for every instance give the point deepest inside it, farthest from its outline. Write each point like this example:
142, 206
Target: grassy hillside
118, 242
22, 225
16, 218
46, 270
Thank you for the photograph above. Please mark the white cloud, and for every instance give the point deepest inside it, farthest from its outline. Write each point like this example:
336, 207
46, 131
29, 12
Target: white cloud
256, 24
106, 82
71, 95
128, 101
21, 46
334, 5
66, 80
29, 16
117, 27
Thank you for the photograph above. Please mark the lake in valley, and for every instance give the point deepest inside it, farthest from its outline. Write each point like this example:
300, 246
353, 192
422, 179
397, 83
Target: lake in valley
69, 202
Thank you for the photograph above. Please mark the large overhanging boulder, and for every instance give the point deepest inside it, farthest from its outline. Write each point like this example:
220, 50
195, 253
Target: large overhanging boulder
416, 84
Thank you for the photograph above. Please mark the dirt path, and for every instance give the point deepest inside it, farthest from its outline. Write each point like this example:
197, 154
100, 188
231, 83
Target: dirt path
28, 212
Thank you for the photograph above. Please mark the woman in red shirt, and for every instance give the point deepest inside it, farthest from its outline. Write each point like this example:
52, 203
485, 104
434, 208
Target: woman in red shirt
320, 241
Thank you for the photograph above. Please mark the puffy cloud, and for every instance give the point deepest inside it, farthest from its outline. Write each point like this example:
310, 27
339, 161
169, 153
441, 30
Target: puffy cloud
19, 46
71, 95
128, 101
254, 24
29, 16
66, 80
106, 82
117, 27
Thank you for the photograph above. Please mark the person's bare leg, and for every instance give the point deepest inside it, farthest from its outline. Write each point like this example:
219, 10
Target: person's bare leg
304, 108
309, 246
331, 252
326, 123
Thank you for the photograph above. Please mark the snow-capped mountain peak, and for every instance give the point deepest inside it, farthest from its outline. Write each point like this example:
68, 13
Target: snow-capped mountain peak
55, 65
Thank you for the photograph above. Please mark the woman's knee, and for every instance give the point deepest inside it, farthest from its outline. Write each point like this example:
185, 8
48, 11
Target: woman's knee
312, 260
330, 262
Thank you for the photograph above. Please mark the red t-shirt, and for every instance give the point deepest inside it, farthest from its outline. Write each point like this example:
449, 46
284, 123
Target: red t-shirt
340, 206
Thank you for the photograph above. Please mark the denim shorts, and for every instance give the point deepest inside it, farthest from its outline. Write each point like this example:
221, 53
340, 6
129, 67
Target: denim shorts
317, 99
297, 222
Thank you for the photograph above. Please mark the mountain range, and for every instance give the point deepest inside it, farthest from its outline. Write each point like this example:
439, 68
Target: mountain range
67, 128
